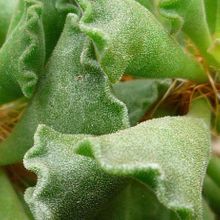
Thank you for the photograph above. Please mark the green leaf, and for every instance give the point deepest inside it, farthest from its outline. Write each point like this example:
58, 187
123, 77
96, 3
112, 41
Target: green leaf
170, 154
191, 17
134, 43
211, 192
201, 108
22, 55
147, 4
11, 207
214, 49
140, 95
211, 13
136, 202
53, 17
7, 8
207, 212
73, 97
214, 170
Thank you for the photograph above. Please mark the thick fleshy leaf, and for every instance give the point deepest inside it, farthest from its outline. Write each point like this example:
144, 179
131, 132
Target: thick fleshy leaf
211, 7
214, 170
170, 154
73, 97
135, 43
136, 202
191, 17
208, 214
22, 55
7, 9
53, 17
211, 192
214, 49
10, 205
140, 95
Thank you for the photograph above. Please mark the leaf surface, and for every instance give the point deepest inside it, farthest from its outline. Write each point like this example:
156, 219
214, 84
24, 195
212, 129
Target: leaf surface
11, 207
129, 39
136, 202
140, 95
190, 15
7, 8
73, 97
170, 154
22, 55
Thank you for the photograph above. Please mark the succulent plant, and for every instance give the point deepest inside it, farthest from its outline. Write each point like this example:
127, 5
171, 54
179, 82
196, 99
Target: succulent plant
112, 107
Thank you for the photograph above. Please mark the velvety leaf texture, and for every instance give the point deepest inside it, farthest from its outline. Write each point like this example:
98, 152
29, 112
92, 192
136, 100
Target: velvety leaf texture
73, 97
22, 55
140, 95
53, 17
170, 154
128, 38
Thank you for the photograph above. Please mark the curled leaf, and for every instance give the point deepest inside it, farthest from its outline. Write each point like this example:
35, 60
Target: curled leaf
53, 17
73, 97
128, 38
22, 55
170, 154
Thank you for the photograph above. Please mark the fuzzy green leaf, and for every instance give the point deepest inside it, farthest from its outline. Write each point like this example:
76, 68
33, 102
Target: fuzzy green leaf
53, 17
134, 43
170, 154
22, 55
10, 205
140, 95
73, 97
190, 15
7, 9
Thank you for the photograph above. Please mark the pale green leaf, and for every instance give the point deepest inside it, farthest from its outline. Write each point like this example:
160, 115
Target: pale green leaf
73, 97
53, 17
214, 49
22, 55
190, 15
140, 95
7, 9
170, 154
10, 206
129, 39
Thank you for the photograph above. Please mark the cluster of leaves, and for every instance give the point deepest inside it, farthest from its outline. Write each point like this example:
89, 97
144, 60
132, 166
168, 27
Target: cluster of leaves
92, 157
